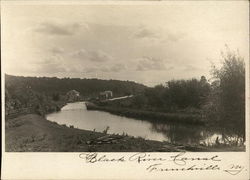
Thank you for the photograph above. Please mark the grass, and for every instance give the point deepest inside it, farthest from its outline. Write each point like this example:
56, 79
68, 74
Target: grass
33, 133
149, 115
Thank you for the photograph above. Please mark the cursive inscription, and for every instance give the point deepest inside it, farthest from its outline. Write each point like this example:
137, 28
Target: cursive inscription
93, 158
157, 163
234, 169
144, 157
180, 159
157, 167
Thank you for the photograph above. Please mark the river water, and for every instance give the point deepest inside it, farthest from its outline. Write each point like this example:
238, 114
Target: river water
77, 115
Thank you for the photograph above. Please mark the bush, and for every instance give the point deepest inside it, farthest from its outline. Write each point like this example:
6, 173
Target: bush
226, 102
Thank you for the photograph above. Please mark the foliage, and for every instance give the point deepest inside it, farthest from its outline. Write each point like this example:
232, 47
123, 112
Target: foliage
227, 99
58, 87
44, 95
176, 95
188, 93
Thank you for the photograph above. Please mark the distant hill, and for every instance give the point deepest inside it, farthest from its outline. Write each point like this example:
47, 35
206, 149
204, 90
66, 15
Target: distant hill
44, 94
86, 87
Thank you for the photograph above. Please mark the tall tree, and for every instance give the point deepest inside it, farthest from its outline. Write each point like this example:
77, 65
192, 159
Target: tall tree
227, 101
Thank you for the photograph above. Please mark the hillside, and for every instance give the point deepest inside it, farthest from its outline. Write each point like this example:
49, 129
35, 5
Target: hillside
42, 95
86, 87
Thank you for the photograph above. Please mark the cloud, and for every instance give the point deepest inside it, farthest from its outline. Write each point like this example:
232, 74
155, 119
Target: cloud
117, 68
94, 56
112, 68
50, 65
159, 34
57, 50
58, 29
174, 37
51, 69
148, 63
145, 33
90, 70
190, 68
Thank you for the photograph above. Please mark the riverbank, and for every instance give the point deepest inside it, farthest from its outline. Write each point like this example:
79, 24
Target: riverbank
33, 133
42, 110
148, 115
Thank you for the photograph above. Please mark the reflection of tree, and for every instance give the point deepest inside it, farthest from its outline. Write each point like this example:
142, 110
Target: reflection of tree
231, 135
233, 140
194, 134
179, 133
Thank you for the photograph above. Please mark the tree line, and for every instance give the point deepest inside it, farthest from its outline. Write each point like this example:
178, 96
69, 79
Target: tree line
86, 87
220, 100
47, 94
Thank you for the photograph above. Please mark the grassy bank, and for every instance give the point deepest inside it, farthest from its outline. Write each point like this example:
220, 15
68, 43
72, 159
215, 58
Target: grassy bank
148, 115
33, 133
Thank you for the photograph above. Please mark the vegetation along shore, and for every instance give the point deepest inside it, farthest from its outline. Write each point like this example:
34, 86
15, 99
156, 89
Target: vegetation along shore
217, 102
33, 133
149, 115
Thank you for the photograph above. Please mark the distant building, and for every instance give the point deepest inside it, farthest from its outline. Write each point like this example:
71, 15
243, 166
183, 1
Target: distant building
105, 95
73, 95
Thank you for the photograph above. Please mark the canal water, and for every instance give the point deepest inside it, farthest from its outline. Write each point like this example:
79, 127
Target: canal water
76, 114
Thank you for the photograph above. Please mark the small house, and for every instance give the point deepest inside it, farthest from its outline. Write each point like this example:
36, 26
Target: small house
105, 95
73, 95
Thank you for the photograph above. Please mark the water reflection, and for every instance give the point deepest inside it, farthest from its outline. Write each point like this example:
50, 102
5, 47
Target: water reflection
195, 134
77, 115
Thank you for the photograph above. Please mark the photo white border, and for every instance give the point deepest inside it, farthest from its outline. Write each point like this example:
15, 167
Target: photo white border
41, 165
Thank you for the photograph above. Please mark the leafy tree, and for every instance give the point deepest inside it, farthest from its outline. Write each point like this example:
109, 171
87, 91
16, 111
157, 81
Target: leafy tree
227, 99
139, 101
56, 96
188, 93
155, 96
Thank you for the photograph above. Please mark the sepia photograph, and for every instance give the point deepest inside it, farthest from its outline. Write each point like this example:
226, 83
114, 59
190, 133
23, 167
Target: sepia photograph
125, 77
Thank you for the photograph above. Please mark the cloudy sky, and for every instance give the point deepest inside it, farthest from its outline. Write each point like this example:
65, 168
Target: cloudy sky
146, 43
